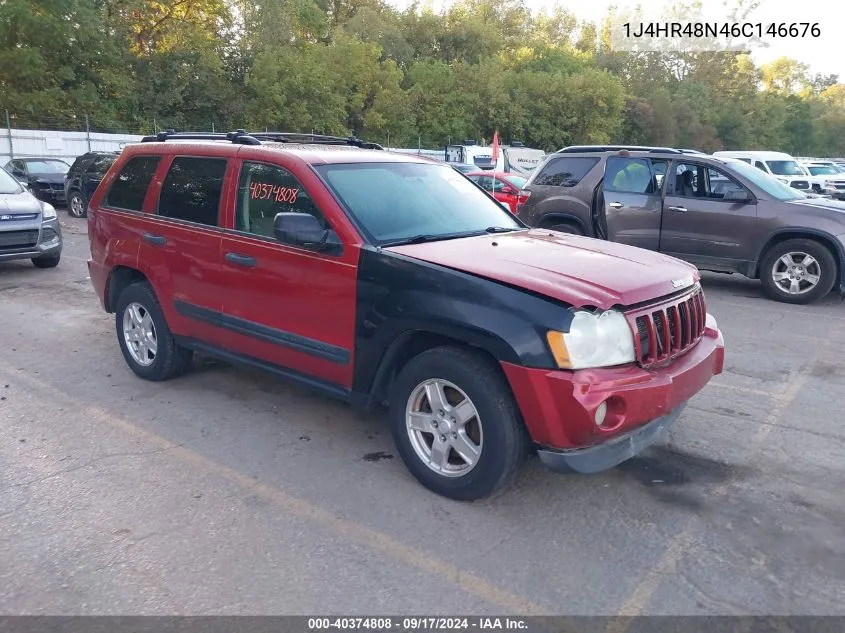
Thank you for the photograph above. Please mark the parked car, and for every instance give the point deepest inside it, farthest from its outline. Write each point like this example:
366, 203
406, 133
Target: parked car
718, 213
503, 186
381, 278
29, 228
778, 164
83, 178
825, 178
463, 168
45, 177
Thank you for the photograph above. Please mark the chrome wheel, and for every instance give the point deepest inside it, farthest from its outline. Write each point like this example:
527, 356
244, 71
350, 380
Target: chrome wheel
796, 273
444, 428
76, 209
139, 333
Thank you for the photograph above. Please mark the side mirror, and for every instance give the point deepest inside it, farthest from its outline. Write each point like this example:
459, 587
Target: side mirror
737, 195
303, 229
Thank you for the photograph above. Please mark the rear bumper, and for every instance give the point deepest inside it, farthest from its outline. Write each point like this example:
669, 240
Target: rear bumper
559, 407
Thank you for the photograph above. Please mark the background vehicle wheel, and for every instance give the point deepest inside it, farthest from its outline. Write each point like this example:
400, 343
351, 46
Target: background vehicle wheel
77, 205
456, 425
566, 227
46, 262
798, 271
145, 340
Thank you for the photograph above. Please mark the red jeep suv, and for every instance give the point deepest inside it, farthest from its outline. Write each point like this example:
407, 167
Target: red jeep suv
384, 278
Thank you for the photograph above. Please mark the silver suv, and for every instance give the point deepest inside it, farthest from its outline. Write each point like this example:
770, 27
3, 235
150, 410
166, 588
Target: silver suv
29, 228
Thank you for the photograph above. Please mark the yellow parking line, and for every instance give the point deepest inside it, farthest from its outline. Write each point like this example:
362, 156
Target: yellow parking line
379, 541
643, 592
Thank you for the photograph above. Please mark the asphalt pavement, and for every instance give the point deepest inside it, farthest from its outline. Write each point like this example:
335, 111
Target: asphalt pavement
230, 492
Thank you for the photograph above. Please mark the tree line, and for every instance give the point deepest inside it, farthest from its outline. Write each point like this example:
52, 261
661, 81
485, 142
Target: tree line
405, 77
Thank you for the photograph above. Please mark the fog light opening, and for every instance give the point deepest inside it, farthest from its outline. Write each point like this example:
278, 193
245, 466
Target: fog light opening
601, 412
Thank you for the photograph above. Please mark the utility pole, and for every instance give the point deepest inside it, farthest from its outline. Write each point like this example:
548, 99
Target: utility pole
9, 130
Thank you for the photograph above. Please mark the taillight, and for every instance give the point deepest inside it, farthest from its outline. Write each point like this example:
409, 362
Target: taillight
522, 198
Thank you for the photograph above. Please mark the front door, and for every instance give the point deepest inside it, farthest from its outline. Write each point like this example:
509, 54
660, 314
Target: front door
286, 305
632, 201
709, 218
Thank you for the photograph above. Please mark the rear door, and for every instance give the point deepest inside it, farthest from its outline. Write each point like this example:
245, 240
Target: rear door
632, 201
705, 218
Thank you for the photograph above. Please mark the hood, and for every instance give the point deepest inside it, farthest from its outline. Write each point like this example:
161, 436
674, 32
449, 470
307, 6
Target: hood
17, 204
577, 270
822, 203
52, 178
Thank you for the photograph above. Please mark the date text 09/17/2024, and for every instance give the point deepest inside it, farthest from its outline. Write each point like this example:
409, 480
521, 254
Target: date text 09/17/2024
420, 623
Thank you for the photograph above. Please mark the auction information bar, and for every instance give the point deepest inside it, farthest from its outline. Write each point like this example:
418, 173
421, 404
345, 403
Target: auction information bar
434, 624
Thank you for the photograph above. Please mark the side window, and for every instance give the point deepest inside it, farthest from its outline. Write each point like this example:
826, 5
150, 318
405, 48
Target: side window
659, 167
265, 190
697, 181
499, 185
629, 175
80, 165
485, 182
129, 188
760, 166
565, 171
191, 190
100, 165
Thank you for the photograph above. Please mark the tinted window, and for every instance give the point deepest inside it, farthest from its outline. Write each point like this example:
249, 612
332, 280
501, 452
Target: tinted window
760, 166
629, 175
130, 187
81, 164
264, 191
100, 165
395, 202
697, 181
191, 190
565, 172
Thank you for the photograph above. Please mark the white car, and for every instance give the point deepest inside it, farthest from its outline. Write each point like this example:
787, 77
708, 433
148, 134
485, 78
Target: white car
825, 177
778, 164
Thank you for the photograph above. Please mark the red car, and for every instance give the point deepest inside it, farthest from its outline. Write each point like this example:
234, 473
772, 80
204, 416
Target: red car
503, 185
380, 278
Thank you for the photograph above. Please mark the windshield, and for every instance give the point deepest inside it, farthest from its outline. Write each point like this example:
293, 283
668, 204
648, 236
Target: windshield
8, 183
772, 186
821, 170
395, 202
516, 181
47, 166
785, 167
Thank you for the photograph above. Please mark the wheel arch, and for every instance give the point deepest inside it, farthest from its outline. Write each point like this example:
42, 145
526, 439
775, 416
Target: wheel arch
822, 237
559, 217
119, 278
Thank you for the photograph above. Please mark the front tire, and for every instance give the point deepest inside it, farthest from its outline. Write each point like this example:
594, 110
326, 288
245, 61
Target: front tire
456, 424
798, 271
77, 206
46, 262
147, 344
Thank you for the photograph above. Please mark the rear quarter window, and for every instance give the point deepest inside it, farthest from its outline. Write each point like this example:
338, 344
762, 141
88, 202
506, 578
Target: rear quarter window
565, 171
130, 187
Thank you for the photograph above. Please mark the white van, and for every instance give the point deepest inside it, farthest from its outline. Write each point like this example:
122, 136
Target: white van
778, 164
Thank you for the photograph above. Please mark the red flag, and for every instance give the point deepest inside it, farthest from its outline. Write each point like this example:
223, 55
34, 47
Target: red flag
495, 148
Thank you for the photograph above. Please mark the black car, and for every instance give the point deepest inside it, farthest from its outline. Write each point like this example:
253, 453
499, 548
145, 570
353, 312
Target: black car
83, 178
44, 176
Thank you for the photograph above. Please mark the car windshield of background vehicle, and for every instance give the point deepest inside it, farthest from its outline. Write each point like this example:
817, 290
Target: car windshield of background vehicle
822, 170
8, 183
785, 167
397, 202
772, 186
517, 181
47, 167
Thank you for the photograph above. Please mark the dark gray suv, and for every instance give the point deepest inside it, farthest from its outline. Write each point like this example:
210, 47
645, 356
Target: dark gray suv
720, 214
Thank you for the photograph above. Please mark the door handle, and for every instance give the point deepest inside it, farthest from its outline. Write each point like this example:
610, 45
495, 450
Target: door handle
156, 240
678, 209
240, 260
615, 205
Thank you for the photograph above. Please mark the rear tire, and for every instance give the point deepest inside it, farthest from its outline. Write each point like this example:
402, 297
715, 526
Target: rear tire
46, 262
147, 344
798, 271
470, 416
77, 206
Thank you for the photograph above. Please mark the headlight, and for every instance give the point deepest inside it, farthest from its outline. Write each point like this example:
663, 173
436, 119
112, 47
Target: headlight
48, 211
593, 340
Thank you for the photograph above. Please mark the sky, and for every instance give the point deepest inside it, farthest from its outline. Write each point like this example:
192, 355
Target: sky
823, 54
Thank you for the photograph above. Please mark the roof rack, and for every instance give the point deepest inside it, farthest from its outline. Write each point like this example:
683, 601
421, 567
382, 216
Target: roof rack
580, 149
238, 136
322, 139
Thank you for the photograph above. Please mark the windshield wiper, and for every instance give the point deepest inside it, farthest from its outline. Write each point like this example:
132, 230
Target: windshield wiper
500, 229
429, 237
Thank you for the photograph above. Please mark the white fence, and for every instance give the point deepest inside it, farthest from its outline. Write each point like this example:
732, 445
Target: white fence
16, 143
